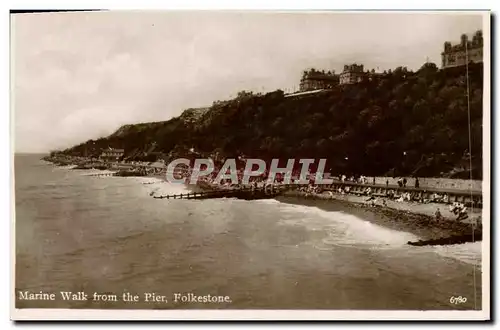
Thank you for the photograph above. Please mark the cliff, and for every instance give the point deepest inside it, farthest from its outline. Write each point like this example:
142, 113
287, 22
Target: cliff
398, 123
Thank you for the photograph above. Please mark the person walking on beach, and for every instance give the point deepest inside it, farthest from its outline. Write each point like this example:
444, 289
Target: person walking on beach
417, 184
387, 183
439, 216
404, 182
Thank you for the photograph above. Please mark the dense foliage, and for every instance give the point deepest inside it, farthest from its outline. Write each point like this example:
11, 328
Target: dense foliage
396, 123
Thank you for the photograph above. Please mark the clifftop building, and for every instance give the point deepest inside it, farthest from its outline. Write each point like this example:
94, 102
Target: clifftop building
314, 80
465, 51
352, 74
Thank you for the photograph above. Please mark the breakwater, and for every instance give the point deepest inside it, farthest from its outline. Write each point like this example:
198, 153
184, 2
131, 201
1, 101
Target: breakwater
243, 193
475, 236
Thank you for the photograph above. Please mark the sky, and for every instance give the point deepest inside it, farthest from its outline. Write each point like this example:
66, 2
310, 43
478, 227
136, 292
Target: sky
80, 76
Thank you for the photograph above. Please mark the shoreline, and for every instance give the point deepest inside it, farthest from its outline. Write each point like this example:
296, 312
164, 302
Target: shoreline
429, 231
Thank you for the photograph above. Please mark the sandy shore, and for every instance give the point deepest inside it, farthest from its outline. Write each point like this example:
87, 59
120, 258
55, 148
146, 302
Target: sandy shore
414, 218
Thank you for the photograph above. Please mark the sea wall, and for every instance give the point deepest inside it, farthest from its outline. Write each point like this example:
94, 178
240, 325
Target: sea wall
436, 183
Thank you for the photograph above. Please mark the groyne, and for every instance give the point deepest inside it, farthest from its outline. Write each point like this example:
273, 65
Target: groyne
245, 193
476, 236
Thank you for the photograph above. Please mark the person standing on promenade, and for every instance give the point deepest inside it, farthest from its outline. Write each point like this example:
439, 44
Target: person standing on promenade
417, 183
404, 182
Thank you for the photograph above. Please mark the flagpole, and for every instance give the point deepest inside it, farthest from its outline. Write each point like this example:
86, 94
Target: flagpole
470, 157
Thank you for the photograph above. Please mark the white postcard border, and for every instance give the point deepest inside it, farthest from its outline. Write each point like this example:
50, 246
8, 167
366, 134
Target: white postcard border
288, 315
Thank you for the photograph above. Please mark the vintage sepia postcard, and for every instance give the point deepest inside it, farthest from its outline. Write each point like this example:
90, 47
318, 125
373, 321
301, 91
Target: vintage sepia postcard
250, 165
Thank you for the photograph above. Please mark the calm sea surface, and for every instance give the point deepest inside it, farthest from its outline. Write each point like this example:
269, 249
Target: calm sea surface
75, 232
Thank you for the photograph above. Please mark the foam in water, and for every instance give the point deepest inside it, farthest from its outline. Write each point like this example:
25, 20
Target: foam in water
470, 252
348, 230
65, 167
267, 201
149, 180
94, 172
166, 188
344, 229
358, 231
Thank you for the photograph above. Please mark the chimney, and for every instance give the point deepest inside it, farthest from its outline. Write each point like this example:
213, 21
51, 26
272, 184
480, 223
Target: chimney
463, 39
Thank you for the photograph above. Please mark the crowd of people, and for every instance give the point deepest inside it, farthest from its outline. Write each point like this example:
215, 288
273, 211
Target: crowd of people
379, 199
311, 189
